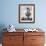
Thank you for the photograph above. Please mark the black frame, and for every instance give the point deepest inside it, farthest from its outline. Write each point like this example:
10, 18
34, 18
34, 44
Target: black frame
33, 13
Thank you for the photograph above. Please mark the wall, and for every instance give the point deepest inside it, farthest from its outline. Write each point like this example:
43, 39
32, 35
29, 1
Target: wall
9, 14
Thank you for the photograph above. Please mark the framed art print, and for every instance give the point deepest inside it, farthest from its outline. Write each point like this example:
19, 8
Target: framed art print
26, 13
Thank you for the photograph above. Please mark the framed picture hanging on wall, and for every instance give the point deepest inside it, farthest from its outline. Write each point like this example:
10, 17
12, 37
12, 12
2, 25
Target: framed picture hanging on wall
26, 13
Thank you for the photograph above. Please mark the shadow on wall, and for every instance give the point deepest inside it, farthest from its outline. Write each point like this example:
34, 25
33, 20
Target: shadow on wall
2, 26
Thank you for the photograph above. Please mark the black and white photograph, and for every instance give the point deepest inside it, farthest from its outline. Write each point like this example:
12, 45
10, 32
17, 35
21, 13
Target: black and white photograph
26, 13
